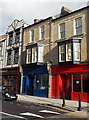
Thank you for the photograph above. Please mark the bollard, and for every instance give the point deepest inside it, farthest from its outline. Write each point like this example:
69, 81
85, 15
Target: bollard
79, 102
63, 100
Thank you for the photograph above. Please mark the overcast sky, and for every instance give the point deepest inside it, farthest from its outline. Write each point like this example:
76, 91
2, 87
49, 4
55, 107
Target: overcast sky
33, 9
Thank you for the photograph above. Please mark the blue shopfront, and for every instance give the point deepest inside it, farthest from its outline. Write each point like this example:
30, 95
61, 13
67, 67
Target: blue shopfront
35, 80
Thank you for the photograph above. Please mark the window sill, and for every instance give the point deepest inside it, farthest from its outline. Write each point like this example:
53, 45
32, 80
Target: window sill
81, 34
61, 39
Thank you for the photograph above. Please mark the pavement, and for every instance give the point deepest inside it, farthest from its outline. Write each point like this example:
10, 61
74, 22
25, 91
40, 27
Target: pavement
69, 104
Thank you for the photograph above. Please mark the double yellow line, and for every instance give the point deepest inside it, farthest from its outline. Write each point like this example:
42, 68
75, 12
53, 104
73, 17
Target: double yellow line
82, 114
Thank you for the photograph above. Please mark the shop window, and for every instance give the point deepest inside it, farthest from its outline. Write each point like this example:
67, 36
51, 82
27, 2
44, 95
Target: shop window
85, 86
41, 81
77, 76
86, 82
77, 85
86, 75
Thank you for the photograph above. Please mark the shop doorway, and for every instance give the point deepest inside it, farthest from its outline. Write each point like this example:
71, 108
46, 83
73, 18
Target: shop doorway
53, 92
67, 85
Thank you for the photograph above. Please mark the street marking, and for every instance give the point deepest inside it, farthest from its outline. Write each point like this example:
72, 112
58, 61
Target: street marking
47, 111
31, 114
16, 116
83, 114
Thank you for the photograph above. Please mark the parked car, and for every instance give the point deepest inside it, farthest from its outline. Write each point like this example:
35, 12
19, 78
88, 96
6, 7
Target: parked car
8, 94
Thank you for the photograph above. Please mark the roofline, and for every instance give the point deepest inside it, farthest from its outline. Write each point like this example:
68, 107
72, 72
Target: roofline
38, 22
71, 13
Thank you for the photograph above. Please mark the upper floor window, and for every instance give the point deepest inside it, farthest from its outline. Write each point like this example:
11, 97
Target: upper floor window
10, 38
61, 53
16, 55
42, 32
35, 53
9, 53
29, 55
70, 50
76, 53
62, 30
32, 36
78, 25
17, 36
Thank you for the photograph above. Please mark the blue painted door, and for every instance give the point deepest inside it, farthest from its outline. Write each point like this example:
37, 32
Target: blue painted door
27, 87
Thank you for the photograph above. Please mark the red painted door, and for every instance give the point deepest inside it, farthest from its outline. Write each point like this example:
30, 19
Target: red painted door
53, 90
67, 87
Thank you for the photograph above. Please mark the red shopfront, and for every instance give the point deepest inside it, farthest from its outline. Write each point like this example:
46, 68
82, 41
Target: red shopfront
11, 78
71, 80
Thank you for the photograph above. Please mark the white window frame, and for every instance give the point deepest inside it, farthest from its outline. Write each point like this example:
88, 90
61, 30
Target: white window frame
32, 35
62, 31
78, 26
29, 54
68, 51
61, 52
34, 54
40, 53
76, 52
42, 32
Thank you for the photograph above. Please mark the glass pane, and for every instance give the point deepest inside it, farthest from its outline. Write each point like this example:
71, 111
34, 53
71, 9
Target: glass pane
68, 52
62, 57
62, 27
76, 52
85, 86
61, 53
38, 81
42, 32
76, 75
29, 55
62, 34
45, 79
78, 30
32, 35
77, 85
78, 22
86, 75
